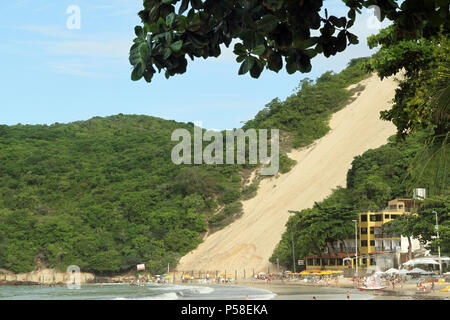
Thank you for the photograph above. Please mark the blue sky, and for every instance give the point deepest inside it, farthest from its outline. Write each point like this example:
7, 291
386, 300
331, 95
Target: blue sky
53, 74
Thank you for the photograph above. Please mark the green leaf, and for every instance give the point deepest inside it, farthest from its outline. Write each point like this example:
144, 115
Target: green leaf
153, 28
139, 31
240, 58
256, 70
138, 71
183, 6
148, 75
259, 50
341, 41
291, 64
167, 53
246, 65
176, 46
144, 51
308, 43
239, 49
353, 39
267, 24
275, 62
170, 19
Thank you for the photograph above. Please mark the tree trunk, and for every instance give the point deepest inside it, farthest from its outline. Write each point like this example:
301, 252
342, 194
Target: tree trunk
409, 248
345, 248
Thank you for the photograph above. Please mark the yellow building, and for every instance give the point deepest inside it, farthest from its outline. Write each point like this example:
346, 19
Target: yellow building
371, 240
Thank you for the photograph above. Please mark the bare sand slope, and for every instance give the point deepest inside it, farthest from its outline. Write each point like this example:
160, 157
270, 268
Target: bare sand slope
249, 242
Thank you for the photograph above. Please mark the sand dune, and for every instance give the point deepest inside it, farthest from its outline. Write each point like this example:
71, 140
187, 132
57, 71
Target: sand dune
249, 242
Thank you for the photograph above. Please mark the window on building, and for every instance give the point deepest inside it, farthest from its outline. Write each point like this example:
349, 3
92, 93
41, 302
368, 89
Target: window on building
310, 262
400, 206
394, 216
324, 262
332, 262
363, 230
364, 261
372, 217
339, 262
386, 216
363, 217
317, 262
363, 243
372, 261
372, 243
372, 230
392, 206
378, 217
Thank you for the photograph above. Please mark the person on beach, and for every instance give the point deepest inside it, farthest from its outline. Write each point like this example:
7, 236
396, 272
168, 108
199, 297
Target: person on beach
314, 298
348, 295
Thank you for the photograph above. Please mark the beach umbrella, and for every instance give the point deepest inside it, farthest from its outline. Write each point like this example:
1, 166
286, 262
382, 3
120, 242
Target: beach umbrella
418, 270
392, 271
304, 272
420, 261
403, 272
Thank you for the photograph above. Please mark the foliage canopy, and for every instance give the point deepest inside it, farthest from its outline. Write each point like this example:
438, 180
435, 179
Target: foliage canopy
267, 33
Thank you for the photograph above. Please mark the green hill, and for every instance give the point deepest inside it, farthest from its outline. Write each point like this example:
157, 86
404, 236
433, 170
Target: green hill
104, 194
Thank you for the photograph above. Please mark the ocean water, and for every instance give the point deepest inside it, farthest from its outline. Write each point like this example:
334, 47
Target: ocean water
127, 292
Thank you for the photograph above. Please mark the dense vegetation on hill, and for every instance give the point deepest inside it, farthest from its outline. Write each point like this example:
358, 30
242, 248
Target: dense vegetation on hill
104, 194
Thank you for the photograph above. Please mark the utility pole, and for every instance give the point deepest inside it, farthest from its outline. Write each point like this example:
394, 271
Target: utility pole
356, 245
293, 252
439, 246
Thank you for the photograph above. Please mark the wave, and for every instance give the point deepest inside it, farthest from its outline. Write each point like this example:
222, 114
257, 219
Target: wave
268, 296
185, 289
162, 296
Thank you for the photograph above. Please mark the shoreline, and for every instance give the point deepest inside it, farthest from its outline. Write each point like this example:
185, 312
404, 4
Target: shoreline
284, 290
292, 289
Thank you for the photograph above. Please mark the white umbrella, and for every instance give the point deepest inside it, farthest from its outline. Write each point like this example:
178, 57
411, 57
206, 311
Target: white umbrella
403, 272
418, 270
443, 258
392, 270
420, 261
